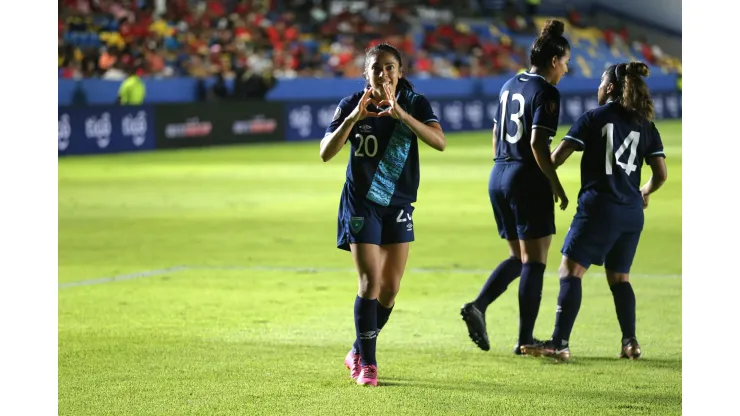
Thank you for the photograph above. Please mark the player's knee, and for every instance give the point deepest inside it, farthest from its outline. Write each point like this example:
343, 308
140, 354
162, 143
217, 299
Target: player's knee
368, 285
515, 251
569, 268
613, 278
388, 292
535, 250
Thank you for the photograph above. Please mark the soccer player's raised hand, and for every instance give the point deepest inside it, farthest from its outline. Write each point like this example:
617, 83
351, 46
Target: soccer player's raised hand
390, 101
361, 111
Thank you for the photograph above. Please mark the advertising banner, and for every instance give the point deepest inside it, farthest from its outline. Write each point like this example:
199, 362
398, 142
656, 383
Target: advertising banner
105, 129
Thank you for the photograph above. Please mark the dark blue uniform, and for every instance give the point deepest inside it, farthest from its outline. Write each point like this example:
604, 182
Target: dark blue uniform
609, 218
382, 174
520, 193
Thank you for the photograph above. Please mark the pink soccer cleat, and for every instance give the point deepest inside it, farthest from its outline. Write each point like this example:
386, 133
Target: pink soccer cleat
352, 362
368, 376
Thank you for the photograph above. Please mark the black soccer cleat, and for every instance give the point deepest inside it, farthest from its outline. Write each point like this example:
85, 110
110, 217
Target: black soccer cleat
631, 349
476, 322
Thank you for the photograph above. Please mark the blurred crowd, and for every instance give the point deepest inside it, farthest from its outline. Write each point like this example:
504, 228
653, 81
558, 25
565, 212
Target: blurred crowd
274, 39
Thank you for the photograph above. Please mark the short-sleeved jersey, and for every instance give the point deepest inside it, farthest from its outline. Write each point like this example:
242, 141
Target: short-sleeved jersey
132, 91
615, 145
384, 157
526, 102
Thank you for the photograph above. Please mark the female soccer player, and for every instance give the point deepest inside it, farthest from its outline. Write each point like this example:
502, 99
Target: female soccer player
522, 183
382, 124
615, 139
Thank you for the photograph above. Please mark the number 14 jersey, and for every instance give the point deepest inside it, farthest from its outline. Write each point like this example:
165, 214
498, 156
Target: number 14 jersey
615, 145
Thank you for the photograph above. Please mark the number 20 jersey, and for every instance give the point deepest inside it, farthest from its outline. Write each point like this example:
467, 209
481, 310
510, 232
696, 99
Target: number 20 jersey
383, 163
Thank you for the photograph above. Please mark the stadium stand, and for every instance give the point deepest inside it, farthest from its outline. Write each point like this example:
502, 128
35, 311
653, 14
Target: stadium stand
304, 38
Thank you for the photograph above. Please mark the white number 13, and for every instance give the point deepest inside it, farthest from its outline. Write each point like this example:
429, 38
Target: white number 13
516, 118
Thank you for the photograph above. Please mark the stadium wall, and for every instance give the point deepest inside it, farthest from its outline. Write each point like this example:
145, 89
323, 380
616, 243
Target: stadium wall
114, 129
184, 90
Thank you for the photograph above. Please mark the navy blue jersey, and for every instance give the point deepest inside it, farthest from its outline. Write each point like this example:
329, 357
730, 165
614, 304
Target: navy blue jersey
384, 158
615, 146
526, 102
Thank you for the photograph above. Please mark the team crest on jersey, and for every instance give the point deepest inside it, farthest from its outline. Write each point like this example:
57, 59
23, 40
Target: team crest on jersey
551, 107
356, 223
337, 114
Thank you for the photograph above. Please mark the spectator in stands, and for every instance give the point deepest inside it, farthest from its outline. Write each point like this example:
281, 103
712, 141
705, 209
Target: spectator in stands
115, 73
575, 18
250, 85
219, 91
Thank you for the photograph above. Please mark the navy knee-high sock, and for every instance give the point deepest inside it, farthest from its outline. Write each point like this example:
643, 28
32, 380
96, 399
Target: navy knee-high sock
366, 328
383, 315
624, 302
569, 302
530, 296
497, 282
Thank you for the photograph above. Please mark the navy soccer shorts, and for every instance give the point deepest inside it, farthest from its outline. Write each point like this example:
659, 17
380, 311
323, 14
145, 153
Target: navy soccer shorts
522, 202
604, 235
361, 221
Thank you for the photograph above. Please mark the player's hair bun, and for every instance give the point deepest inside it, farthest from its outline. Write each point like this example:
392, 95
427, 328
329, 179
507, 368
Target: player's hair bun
553, 28
637, 68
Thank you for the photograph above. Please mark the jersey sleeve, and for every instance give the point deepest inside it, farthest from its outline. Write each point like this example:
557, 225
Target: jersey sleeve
655, 147
124, 89
547, 110
343, 110
580, 131
423, 110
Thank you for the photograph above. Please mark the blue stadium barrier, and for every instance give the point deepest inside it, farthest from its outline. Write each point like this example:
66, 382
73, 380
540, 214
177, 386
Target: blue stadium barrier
112, 128
184, 90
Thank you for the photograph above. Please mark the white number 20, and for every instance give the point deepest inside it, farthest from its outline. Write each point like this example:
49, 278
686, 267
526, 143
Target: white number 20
516, 118
629, 142
365, 145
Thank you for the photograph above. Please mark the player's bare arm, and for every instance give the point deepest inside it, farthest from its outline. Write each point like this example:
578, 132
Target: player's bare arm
493, 139
657, 179
562, 153
539, 143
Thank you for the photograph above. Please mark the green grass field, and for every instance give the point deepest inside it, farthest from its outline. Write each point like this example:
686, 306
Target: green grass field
259, 317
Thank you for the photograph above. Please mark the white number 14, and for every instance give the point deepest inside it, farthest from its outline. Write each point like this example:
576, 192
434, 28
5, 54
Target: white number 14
629, 142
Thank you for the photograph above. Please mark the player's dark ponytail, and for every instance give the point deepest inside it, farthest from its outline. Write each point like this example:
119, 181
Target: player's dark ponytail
548, 44
403, 83
630, 90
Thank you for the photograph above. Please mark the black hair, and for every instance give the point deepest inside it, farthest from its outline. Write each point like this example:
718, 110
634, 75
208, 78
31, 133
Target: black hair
630, 90
403, 83
549, 43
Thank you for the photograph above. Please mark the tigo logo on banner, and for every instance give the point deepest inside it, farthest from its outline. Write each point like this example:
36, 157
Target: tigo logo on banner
99, 129
135, 127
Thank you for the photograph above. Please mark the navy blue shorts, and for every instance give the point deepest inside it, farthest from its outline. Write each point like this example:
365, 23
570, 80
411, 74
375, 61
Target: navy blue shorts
522, 202
362, 221
604, 234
